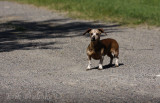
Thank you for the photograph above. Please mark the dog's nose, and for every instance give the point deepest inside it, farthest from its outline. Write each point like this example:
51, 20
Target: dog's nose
93, 39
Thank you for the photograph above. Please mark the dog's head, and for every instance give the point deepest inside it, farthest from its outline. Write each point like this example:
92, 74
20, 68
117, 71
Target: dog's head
94, 33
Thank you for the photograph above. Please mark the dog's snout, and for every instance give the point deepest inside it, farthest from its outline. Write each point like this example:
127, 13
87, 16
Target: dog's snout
93, 38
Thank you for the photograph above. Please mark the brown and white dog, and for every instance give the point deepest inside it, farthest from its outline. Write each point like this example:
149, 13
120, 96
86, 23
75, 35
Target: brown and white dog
97, 48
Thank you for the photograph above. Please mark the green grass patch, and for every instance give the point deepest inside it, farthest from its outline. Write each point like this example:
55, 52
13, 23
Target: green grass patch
121, 11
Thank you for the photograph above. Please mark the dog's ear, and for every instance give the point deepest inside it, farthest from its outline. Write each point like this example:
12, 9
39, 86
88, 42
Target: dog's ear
102, 31
87, 31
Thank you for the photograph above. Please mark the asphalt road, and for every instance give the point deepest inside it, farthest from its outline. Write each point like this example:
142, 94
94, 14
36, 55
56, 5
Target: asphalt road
43, 60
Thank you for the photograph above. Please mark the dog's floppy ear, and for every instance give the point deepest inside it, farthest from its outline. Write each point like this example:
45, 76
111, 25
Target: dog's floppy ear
102, 31
87, 31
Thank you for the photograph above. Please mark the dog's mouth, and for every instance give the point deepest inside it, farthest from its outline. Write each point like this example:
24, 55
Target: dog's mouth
93, 39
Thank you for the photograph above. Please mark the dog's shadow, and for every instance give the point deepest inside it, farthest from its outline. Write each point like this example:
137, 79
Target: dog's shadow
108, 66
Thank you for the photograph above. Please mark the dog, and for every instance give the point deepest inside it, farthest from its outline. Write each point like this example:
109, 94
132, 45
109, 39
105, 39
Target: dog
97, 48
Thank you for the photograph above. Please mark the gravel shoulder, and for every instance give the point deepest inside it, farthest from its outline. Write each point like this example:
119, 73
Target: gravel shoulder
43, 60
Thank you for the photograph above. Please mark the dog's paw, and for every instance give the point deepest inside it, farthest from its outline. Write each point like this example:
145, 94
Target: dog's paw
88, 69
100, 67
116, 65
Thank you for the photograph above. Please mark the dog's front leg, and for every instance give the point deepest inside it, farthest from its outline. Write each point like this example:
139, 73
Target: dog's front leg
101, 63
89, 63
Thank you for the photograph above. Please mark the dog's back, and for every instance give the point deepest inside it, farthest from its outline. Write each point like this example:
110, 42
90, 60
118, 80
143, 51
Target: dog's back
112, 47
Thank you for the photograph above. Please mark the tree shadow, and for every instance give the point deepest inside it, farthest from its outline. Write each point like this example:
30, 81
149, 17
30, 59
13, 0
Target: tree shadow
12, 32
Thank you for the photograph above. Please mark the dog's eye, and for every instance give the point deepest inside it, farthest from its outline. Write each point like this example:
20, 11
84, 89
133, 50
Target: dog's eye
91, 33
97, 34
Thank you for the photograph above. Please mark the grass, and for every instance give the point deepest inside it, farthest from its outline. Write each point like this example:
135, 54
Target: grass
121, 11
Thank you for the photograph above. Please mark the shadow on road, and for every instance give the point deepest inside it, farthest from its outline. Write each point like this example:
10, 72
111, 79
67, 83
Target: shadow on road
108, 66
14, 31
111, 66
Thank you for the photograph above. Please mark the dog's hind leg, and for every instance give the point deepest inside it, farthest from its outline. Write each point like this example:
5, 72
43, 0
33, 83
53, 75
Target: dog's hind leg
116, 59
114, 55
111, 55
111, 60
